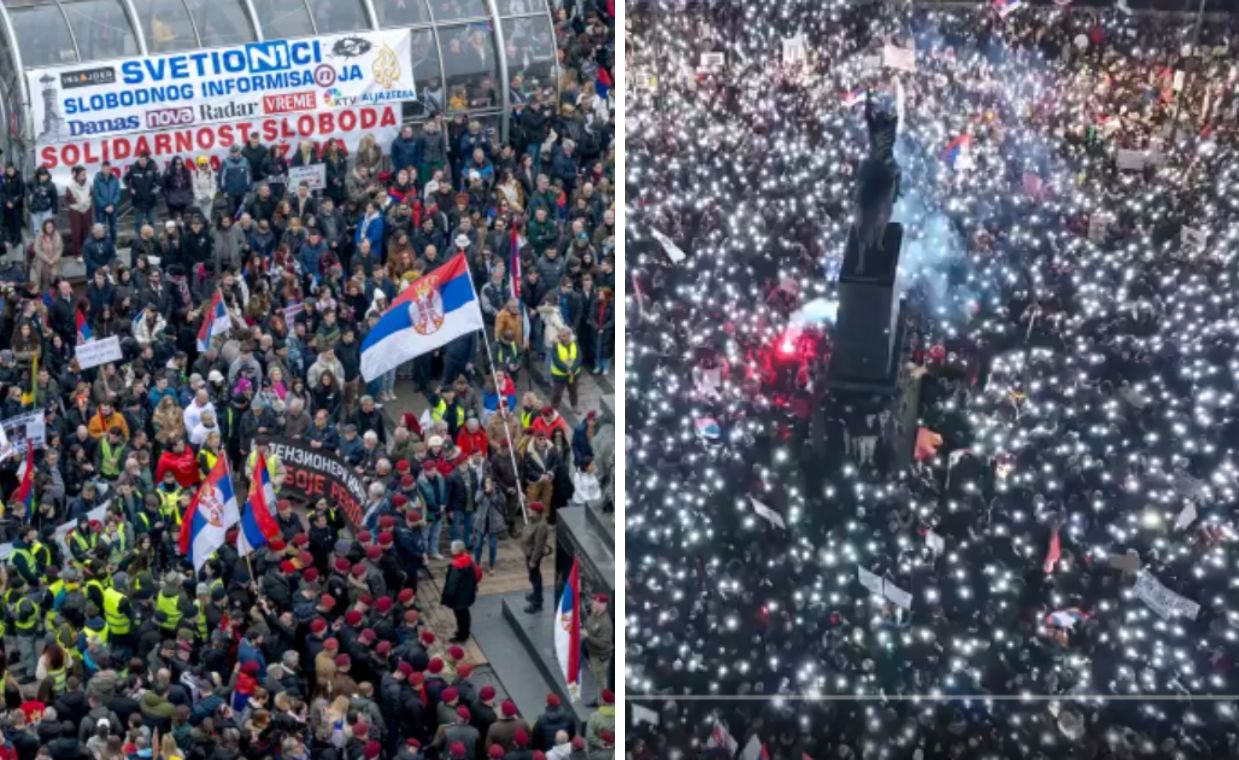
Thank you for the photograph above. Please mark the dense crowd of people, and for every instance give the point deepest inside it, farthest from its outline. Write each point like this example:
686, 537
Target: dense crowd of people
1040, 565
315, 645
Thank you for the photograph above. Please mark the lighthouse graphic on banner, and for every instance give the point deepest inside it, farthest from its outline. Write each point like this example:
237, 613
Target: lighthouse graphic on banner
54, 127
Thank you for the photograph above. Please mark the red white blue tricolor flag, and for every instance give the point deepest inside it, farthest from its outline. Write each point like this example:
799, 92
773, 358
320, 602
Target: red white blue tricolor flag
429, 313
956, 154
568, 630
257, 524
212, 512
214, 322
84, 333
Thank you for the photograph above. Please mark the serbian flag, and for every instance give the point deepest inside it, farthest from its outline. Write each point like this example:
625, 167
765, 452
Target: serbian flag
603, 83
568, 630
24, 493
854, 98
257, 524
214, 322
83, 328
212, 512
956, 152
431, 312
1055, 552
1006, 7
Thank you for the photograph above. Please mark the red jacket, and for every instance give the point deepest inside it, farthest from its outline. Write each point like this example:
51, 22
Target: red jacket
470, 442
184, 467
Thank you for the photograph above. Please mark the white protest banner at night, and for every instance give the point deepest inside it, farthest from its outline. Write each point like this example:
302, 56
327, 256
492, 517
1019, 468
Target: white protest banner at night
1166, 603
900, 59
95, 352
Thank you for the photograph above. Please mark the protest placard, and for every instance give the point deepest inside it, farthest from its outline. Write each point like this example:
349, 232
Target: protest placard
900, 59
1165, 603
92, 353
314, 175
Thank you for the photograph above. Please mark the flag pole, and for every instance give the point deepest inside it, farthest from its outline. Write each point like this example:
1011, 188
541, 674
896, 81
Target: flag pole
507, 433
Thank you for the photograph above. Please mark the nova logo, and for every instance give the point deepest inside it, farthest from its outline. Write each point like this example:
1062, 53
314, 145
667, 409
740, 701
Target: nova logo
169, 117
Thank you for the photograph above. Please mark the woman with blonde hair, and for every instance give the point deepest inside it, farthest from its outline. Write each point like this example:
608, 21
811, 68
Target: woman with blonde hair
167, 421
369, 154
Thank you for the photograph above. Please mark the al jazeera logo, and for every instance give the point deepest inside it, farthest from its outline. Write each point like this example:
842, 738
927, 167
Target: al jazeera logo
386, 70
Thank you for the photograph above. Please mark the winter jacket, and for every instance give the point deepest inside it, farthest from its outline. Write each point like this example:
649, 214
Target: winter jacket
255, 158
143, 184
178, 187
98, 252
12, 190
234, 176
406, 153
460, 589
105, 191
555, 719
41, 196
434, 150
205, 185
310, 256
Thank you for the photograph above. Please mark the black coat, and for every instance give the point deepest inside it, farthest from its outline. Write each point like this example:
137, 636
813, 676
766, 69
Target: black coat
196, 248
461, 588
144, 184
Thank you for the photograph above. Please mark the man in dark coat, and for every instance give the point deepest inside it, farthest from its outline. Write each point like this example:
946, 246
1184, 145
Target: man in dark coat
461, 588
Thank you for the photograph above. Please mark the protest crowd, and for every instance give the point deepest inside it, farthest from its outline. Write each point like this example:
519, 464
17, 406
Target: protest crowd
1046, 569
224, 321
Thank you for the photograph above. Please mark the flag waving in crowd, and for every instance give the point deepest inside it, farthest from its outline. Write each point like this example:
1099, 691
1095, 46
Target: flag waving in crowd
568, 630
214, 321
257, 524
211, 513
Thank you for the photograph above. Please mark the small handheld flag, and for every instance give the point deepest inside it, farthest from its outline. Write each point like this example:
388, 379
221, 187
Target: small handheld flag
24, 494
214, 322
84, 333
568, 630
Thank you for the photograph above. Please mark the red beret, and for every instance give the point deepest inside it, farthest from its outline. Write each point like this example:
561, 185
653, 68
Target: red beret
287, 567
552, 700
405, 668
361, 728
364, 598
449, 694
318, 625
343, 661
487, 693
399, 500
305, 559
536, 506
373, 552
277, 545
508, 708
373, 749
606, 735
402, 465
495, 751
456, 652
342, 564
601, 598
413, 516
301, 539
364, 537
539, 755
310, 575
367, 636
283, 504
383, 647
406, 481
428, 465
414, 743
359, 570
608, 696
578, 742
250, 667
353, 617
521, 737
410, 616
463, 713
458, 749
548, 410
464, 670
385, 538
405, 596
428, 637
386, 521
417, 678
383, 605
435, 666
327, 600
331, 643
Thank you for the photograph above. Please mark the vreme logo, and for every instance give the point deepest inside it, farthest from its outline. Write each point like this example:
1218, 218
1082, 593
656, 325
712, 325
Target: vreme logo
288, 102
169, 117
88, 77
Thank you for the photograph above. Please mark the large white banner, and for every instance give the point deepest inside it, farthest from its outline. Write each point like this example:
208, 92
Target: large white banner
214, 140
231, 84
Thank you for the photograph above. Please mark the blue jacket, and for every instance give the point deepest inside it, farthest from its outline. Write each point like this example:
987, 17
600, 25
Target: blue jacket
247, 652
374, 233
105, 191
234, 176
309, 257
406, 153
582, 449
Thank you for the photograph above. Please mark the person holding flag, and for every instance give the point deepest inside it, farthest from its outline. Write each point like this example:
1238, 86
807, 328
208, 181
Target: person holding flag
23, 496
258, 525
568, 631
215, 321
